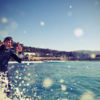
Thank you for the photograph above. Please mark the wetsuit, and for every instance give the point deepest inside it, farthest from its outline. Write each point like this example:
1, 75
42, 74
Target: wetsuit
5, 55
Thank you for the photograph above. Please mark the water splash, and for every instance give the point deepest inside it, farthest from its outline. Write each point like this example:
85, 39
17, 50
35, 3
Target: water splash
3, 86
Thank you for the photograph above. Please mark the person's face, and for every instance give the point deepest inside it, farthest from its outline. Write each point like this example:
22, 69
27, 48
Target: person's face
8, 44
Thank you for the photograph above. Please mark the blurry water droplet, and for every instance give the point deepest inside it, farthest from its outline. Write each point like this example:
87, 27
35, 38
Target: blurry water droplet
61, 81
47, 82
63, 87
70, 6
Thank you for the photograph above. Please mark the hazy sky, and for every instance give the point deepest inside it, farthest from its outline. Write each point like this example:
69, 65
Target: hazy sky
55, 24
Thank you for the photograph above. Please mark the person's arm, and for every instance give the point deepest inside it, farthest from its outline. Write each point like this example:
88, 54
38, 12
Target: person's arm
19, 50
18, 59
2, 47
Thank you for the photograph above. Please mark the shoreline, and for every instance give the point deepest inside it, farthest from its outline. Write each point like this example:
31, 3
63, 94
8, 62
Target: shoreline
11, 62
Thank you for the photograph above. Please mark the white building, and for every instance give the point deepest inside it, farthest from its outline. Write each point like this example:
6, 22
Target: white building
29, 53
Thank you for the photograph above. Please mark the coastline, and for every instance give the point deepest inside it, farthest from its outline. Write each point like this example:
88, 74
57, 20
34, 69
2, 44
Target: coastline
28, 62
11, 62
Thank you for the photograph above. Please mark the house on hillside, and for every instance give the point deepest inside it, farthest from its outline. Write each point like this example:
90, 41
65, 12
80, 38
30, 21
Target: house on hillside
29, 53
97, 57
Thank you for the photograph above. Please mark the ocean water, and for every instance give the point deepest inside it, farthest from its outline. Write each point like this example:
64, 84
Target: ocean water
70, 80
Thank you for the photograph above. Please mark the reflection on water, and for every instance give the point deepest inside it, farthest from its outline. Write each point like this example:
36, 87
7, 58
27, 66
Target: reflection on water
53, 81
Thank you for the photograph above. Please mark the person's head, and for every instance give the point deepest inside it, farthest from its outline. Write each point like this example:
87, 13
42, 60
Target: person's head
8, 41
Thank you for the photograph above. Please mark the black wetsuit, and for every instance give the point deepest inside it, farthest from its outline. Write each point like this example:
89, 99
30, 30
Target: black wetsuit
5, 55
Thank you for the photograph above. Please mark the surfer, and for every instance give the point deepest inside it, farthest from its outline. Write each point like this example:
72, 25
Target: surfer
5, 54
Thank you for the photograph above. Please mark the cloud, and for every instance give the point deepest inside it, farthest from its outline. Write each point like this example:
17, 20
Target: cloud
42, 23
78, 32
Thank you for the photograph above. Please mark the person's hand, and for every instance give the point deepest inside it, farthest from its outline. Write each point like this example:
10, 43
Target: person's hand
19, 48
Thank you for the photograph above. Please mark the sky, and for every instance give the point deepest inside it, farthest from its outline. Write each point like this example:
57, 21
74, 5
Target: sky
65, 25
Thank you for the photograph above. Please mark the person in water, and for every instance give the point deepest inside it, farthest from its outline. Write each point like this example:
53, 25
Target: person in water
5, 54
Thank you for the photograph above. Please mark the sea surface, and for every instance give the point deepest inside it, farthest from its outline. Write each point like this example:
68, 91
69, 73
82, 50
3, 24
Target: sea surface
70, 80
